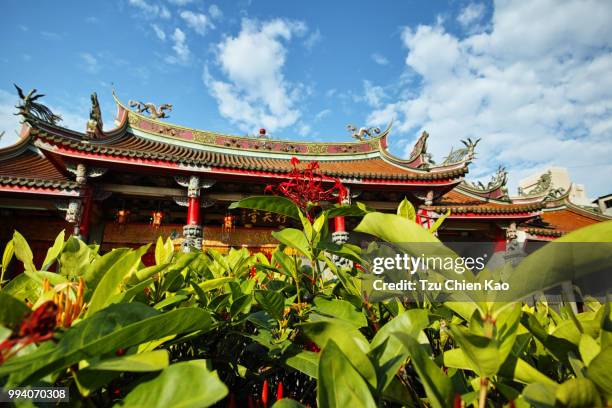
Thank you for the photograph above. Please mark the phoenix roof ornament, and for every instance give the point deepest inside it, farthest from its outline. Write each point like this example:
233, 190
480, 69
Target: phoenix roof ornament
150, 108
363, 133
29, 108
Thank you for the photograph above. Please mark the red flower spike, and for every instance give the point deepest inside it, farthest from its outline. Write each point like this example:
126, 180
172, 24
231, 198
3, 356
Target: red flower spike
253, 272
311, 346
264, 393
457, 401
279, 391
40, 324
305, 187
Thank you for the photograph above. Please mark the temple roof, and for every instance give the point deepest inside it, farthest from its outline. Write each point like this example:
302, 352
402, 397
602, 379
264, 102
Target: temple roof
23, 168
145, 142
462, 204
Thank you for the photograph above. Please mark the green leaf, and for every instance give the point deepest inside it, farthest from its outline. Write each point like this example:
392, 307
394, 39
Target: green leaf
348, 337
339, 384
305, 361
23, 252
7, 255
144, 362
353, 210
589, 348
340, 309
287, 403
181, 385
294, 238
274, 204
599, 371
216, 283
12, 311
54, 251
540, 395
96, 270
160, 251
439, 222
120, 325
438, 386
241, 305
110, 284
406, 210
75, 257
393, 228
578, 393
22, 287
272, 302
480, 351
410, 322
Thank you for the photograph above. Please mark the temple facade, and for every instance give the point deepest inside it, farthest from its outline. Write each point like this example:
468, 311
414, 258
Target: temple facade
147, 178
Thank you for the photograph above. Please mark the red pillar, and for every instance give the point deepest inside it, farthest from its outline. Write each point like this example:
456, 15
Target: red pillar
339, 224
500, 241
86, 217
193, 211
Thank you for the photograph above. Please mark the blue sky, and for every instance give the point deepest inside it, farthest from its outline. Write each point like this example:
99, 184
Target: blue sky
532, 79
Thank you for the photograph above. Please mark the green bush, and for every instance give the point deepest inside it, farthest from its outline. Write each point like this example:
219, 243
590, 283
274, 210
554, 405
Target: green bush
202, 328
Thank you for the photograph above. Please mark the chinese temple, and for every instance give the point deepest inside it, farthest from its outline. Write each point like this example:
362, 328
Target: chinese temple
146, 178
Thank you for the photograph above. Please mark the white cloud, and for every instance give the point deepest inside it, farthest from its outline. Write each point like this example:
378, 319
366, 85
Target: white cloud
90, 63
151, 10
215, 12
312, 40
256, 93
159, 32
180, 47
180, 2
373, 94
322, 114
200, 23
379, 59
9, 122
304, 130
537, 87
471, 14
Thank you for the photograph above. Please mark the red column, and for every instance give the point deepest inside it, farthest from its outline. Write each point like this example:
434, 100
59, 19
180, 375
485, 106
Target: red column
339, 224
500, 242
193, 211
86, 216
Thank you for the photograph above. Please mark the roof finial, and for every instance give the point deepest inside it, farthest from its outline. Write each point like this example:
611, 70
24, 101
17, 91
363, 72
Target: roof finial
151, 109
28, 108
363, 132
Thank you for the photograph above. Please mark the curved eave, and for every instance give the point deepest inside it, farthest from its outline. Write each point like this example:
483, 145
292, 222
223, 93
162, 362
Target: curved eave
414, 162
493, 195
37, 187
20, 145
566, 204
90, 152
156, 129
480, 213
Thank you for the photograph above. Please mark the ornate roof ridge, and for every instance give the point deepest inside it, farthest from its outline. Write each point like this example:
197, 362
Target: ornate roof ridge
369, 141
495, 188
419, 158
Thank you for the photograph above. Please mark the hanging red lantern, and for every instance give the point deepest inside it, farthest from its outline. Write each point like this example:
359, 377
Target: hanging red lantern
228, 222
122, 216
156, 218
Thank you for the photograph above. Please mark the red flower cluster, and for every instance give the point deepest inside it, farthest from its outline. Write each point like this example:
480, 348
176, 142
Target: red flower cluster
305, 187
36, 328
